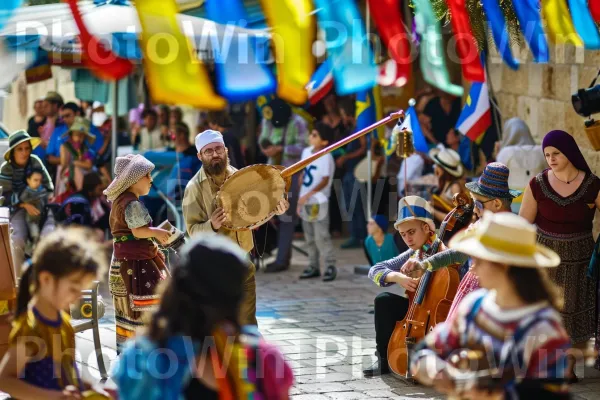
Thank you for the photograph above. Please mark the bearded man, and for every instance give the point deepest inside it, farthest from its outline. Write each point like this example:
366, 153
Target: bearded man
202, 215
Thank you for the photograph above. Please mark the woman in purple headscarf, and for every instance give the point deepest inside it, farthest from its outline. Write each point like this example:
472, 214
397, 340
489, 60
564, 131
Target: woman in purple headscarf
562, 201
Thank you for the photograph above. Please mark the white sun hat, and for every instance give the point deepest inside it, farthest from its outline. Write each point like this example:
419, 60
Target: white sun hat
448, 160
505, 238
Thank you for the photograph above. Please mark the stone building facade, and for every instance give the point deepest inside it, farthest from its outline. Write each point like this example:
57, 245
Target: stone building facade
540, 94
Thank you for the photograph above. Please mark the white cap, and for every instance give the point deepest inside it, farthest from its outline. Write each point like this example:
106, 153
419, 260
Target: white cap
207, 137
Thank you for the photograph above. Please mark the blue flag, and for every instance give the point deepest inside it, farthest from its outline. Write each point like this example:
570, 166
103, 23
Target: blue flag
368, 110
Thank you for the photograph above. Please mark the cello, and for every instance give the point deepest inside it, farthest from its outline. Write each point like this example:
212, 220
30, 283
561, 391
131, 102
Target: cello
430, 303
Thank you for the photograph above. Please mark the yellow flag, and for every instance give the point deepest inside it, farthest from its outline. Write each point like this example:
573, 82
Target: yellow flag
294, 32
560, 28
174, 74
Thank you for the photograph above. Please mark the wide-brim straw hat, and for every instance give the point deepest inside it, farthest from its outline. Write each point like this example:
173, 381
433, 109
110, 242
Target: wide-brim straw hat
493, 183
448, 160
81, 125
128, 170
412, 208
18, 137
505, 238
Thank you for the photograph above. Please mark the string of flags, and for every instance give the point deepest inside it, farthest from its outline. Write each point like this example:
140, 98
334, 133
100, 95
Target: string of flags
350, 65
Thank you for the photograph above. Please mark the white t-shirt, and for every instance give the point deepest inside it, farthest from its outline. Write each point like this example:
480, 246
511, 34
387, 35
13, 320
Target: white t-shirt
314, 174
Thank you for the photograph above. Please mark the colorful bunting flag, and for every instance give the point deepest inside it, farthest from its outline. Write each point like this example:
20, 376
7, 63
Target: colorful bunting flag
496, 21
595, 9
585, 24
174, 76
103, 63
294, 31
560, 25
354, 68
531, 26
240, 75
388, 17
431, 57
466, 45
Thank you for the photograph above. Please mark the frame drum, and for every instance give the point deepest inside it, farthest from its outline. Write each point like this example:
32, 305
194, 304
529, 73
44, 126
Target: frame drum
250, 196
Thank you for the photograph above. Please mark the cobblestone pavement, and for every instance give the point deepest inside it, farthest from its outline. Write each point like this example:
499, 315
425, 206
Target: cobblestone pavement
324, 330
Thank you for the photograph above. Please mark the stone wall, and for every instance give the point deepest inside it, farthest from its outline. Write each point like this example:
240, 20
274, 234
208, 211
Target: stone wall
540, 94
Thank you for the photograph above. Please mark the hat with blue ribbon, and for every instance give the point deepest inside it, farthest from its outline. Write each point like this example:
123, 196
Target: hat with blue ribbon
493, 183
412, 208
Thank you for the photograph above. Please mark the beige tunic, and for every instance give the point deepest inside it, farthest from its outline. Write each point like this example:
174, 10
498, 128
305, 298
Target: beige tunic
199, 204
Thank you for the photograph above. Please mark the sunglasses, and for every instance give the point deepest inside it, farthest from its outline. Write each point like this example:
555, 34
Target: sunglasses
479, 204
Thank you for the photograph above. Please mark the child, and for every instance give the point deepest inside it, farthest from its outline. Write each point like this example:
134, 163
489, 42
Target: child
75, 160
137, 265
379, 245
197, 322
40, 362
513, 323
313, 204
36, 195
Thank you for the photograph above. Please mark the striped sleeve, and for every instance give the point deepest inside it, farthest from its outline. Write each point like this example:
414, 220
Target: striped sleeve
544, 348
444, 259
379, 271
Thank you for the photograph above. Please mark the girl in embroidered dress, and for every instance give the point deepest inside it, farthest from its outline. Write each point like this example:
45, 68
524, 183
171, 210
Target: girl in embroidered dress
137, 265
37, 365
562, 202
511, 324
75, 160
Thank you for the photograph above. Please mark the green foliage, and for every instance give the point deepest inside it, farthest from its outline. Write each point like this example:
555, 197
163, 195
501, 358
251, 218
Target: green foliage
478, 20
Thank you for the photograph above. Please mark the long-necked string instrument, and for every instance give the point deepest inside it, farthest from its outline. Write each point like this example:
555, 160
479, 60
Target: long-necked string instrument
430, 303
250, 196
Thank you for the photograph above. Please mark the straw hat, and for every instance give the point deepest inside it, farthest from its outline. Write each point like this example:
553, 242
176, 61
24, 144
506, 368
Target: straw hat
505, 238
412, 208
18, 137
128, 170
448, 160
81, 125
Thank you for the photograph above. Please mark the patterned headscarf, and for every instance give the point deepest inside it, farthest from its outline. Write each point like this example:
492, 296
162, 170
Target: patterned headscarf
566, 145
128, 171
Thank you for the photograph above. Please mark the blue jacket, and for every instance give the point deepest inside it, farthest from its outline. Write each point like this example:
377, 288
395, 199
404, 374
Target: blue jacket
57, 139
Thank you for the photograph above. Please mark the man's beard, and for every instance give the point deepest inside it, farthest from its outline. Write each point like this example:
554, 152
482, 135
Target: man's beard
216, 169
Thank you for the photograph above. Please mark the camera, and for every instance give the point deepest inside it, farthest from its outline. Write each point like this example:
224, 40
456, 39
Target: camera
587, 101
